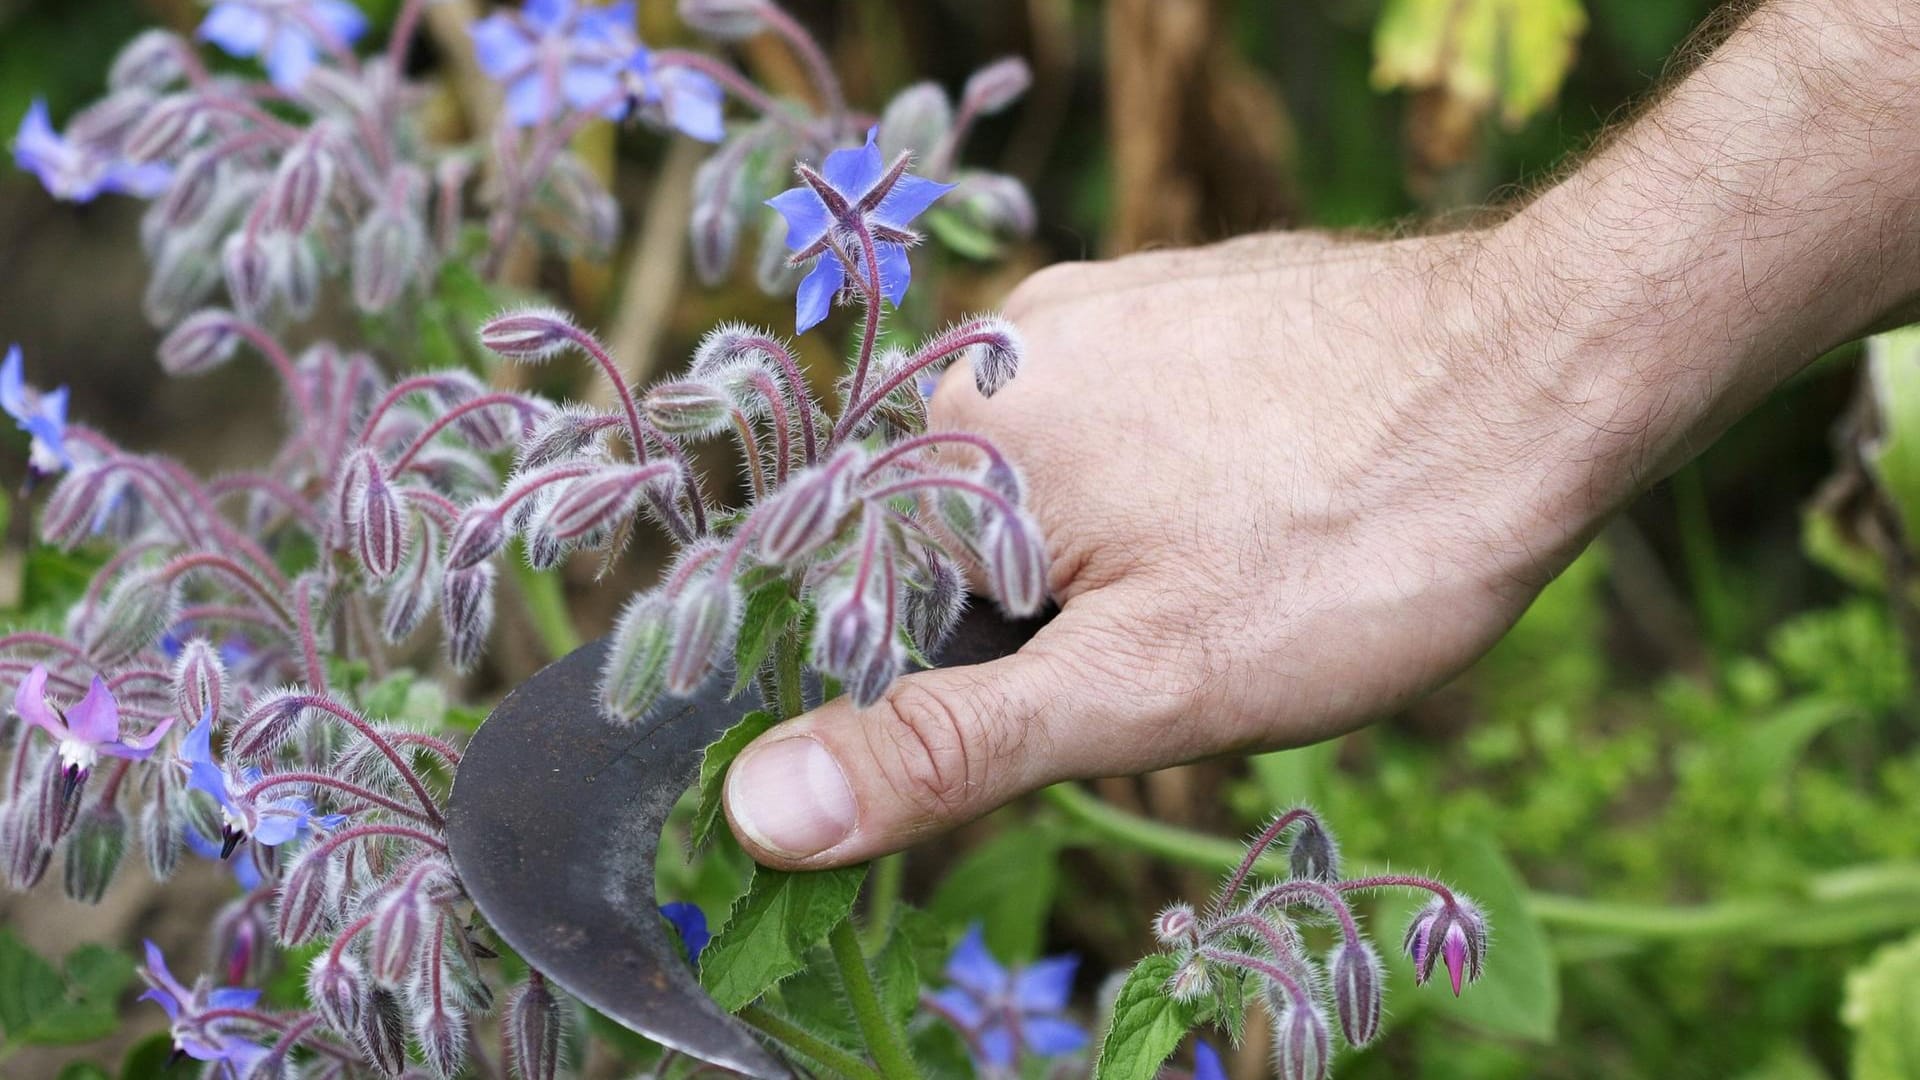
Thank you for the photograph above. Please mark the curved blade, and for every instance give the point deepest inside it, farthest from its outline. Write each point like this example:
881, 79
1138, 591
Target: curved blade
554, 823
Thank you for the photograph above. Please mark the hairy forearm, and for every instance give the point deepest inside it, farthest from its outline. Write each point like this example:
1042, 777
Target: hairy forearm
1765, 210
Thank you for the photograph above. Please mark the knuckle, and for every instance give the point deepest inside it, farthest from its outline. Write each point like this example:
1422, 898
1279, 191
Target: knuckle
935, 757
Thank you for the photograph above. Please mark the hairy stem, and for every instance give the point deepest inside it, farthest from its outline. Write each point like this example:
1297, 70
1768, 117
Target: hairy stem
885, 1040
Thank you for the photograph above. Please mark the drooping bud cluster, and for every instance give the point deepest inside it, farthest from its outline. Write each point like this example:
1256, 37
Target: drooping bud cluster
1251, 934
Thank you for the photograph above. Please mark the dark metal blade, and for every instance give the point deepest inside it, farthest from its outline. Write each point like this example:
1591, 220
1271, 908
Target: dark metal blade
554, 823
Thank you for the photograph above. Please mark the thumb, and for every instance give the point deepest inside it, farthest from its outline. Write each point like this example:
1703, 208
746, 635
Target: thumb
841, 785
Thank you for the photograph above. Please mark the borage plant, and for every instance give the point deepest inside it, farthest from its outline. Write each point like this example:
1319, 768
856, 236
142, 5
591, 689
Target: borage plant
226, 683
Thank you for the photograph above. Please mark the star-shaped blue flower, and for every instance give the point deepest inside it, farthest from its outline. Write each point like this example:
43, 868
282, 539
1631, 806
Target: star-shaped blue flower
1003, 1012
198, 1038
691, 924
855, 198
554, 55
288, 36
677, 98
270, 823
43, 416
75, 172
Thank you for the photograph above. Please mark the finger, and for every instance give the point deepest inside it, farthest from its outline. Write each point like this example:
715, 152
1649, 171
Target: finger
842, 785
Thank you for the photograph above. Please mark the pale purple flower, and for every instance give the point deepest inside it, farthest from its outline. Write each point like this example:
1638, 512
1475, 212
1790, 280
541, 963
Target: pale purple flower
556, 54
202, 1039
43, 416
677, 97
74, 171
855, 199
1002, 1012
85, 732
287, 36
270, 823
1452, 930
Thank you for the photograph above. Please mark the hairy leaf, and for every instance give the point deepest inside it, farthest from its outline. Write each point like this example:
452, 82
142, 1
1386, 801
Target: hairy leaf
767, 937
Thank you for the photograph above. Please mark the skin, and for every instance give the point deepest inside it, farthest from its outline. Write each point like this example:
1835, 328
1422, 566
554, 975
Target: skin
1291, 483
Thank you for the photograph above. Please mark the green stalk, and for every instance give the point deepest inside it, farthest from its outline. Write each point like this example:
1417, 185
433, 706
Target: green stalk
546, 604
807, 1043
885, 1040
884, 898
1841, 905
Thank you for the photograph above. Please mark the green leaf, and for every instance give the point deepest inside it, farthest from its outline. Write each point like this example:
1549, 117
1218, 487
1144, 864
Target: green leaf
147, 1059
1147, 1026
918, 942
1513, 54
1007, 885
29, 986
1518, 993
42, 1006
1883, 1011
771, 609
767, 937
966, 238
1893, 374
713, 772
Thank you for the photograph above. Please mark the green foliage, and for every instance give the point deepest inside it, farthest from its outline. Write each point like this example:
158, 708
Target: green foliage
771, 929
770, 612
713, 772
1146, 1026
1883, 1011
1007, 885
41, 1004
1512, 54
1893, 372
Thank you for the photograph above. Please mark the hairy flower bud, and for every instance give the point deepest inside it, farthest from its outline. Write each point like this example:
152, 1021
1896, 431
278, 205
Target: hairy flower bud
635, 671
151, 61
271, 720
1191, 981
727, 20
1015, 559
1302, 1046
26, 852
135, 613
480, 534
689, 408
160, 825
916, 121
247, 263
166, 129
239, 936
442, 1035
199, 682
562, 433
1177, 927
529, 335
383, 1031
399, 925
387, 252
531, 1031
702, 619
997, 86
195, 182
94, 849
466, 609
995, 359
300, 184
301, 908
338, 991
994, 203
936, 597
806, 513
601, 501
1314, 855
207, 339
1358, 986
1451, 930
411, 593
380, 537
296, 273
184, 276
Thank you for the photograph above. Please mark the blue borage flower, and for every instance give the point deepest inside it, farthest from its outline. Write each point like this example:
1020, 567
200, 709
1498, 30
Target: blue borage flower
556, 55
1003, 1012
1206, 1062
74, 171
287, 36
86, 731
211, 1040
43, 416
854, 201
270, 823
691, 924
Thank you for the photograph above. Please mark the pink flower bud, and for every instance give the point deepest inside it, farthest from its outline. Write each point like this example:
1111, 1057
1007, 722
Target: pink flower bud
562, 433
1302, 1046
203, 342
466, 610
296, 273
396, 934
1015, 559
135, 613
270, 721
601, 501
27, 855
167, 127
300, 185
302, 904
442, 1035
994, 203
479, 535
726, 20
726, 346
379, 526
635, 671
996, 360
1191, 981
487, 429
184, 276
1452, 931
410, 594
160, 826
1314, 856
936, 597
531, 1030
997, 85
337, 989
1358, 986
530, 335
151, 61
387, 257
689, 408
383, 1031
1177, 927
807, 513
702, 621
248, 266
199, 682
195, 181
714, 229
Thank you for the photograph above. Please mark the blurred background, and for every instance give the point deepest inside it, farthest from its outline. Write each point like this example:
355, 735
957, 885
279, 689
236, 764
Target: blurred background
1688, 784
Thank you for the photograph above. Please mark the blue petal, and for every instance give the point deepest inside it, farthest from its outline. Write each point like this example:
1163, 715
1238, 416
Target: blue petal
592, 86
140, 181
13, 386
691, 923
199, 844
1206, 1062
39, 149
290, 58
528, 102
198, 747
547, 15
807, 217
232, 997
342, 19
238, 29
1045, 985
960, 1007
500, 47
209, 778
695, 105
246, 873
996, 1046
853, 171
167, 1002
973, 967
910, 197
896, 271
817, 290
1050, 1036
277, 826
